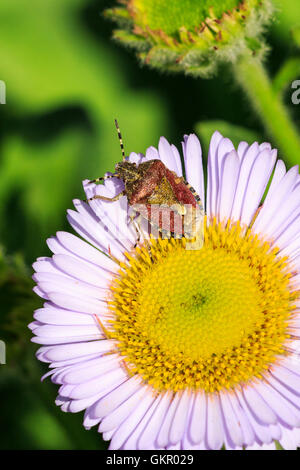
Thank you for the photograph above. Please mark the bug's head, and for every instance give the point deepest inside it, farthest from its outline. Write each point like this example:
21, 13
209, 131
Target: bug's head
127, 171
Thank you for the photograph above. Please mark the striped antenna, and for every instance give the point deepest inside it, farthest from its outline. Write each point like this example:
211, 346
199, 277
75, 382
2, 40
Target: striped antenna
120, 139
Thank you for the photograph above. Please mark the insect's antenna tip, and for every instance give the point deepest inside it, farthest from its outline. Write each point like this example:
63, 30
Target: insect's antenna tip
120, 139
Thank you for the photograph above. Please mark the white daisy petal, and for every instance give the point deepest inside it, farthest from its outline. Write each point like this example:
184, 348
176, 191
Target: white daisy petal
149, 435
215, 429
119, 415
179, 419
257, 183
228, 183
198, 421
167, 155
249, 156
212, 174
129, 425
193, 164
231, 422
163, 437
258, 406
274, 200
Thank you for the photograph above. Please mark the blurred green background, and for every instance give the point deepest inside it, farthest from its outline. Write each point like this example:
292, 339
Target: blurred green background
66, 81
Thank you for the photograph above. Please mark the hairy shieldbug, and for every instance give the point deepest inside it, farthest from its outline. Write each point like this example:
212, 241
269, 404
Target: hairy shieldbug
160, 196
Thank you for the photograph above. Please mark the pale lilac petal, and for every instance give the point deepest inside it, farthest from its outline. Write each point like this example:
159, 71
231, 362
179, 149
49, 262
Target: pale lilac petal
112, 401
257, 183
250, 155
262, 431
276, 431
242, 149
92, 306
258, 406
92, 370
275, 199
286, 376
193, 164
289, 231
290, 437
215, 429
107, 380
212, 174
228, 183
247, 430
70, 351
129, 425
56, 316
84, 250
167, 155
149, 435
136, 158
152, 154
286, 412
69, 286
45, 265
284, 211
80, 270
92, 229
198, 420
112, 215
132, 441
120, 414
279, 172
163, 437
225, 147
179, 419
177, 160
257, 446
231, 422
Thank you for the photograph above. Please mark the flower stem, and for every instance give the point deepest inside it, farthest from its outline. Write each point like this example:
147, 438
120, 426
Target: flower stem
251, 75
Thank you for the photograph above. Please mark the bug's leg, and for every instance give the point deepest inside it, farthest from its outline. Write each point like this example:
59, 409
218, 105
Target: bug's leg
110, 199
103, 178
196, 195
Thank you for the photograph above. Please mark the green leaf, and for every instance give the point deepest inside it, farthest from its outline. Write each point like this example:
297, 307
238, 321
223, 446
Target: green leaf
296, 35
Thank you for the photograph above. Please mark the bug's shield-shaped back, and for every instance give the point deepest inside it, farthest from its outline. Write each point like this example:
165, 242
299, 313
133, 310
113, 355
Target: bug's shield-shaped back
176, 221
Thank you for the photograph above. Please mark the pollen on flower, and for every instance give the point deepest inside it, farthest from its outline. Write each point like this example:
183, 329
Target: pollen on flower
206, 319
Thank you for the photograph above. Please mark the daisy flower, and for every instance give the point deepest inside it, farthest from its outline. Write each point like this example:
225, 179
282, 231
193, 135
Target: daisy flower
168, 348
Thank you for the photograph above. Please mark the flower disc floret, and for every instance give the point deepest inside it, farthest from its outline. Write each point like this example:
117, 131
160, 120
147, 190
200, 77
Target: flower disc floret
205, 319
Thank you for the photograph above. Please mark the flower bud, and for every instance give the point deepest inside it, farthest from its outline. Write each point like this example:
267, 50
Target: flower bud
191, 36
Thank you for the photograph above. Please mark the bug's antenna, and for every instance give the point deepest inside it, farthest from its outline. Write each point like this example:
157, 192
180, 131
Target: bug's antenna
120, 139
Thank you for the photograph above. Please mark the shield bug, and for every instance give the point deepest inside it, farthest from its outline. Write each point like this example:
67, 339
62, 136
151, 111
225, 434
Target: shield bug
160, 196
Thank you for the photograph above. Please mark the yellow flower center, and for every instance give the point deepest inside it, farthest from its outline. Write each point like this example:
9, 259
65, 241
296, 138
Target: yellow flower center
210, 318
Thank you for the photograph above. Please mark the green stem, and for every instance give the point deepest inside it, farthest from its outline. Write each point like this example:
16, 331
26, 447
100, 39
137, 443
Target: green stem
251, 75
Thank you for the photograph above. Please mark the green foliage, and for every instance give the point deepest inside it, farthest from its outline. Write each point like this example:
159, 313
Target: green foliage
17, 304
